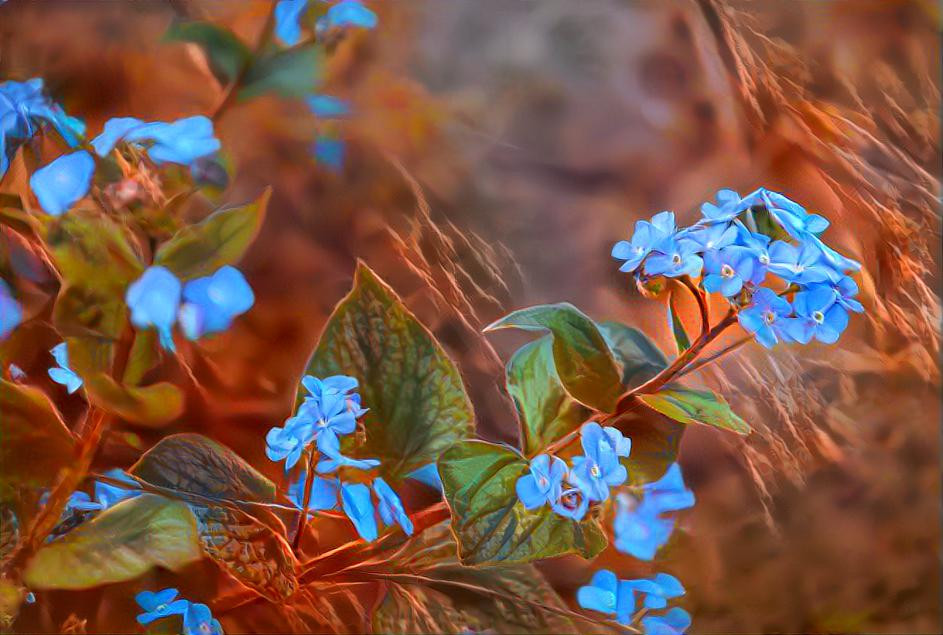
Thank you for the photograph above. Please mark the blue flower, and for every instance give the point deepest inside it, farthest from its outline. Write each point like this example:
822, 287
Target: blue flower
199, 621
81, 502
764, 317
183, 141
330, 446
673, 622
572, 504
391, 507
288, 20
63, 374
729, 206
110, 495
640, 531
327, 107
673, 257
331, 416
838, 263
329, 386
846, 289
669, 493
323, 492
428, 474
154, 299
355, 498
599, 469
818, 315
789, 215
710, 238
544, 483
647, 235
802, 264
211, 302
23, 109
159, 604
288, 443
347, 14
11, 313
658, 589
330, 152
758, 245
61, 183
729, 269
607, 594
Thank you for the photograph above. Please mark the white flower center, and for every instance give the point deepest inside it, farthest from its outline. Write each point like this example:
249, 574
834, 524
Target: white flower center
161, 608
676, 259
769, 317
543, 482
727, 271
764, 259
818, 316
595, 471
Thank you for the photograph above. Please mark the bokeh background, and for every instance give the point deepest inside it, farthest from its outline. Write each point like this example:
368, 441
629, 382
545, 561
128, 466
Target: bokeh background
498, 149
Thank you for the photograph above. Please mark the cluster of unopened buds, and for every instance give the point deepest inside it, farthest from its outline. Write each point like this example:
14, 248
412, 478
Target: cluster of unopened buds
739, 246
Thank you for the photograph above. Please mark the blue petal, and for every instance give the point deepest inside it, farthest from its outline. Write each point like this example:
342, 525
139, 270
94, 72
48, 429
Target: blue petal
114, 130
154, 299
349, 13
288, 20
327, 106
358, 507
529, 493
60, 184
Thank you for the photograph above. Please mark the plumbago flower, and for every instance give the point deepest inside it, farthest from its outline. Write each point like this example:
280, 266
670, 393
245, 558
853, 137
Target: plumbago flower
328, 413
607, 594
63, 374
815, 291
345, 14
184, 141
59, 185
197, 618
639, 527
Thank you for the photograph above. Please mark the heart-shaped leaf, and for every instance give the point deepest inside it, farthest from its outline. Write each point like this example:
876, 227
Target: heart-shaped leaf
119, 544
688, 405
417, 402
489, 522
582, 358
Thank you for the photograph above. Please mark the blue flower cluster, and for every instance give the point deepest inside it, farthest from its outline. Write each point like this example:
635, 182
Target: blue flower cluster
197, 618
202, 306
341, 15
591, 474
639, 527
24, 109
329, 412
607, 594
732, 258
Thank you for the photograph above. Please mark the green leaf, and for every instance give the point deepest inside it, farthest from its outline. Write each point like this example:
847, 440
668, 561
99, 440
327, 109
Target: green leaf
638, 357
655, 443
545, 410
682, 341
34, 441
436, 594
220, 239
293, 72
119, 544
489, 522
418, 405
688, 405
225, 53
248, 550
154, 405
582, 358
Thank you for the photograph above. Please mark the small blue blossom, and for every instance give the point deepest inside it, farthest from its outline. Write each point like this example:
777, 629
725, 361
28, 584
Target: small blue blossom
673, 257
391, 507
64, 181
599, 469
11, 312
764, 318
159, 604
789, 215
846, 289
728, 269
647, 235
81, 502
110, 495
63, 374
198, 620
210, 303
729, 206
329, 386
428, 474
329, 445
818, 315
669, 493
154, 300
544, 483
331, 417
183, 141
607, 594
837, 262
709, 238
573, 504
288, 443
347, 14
801, 264
327, 107
23, 110
330, 152
673, 622
758, 245
658, 589
324, 492
288, 15
355, 498
639, 528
